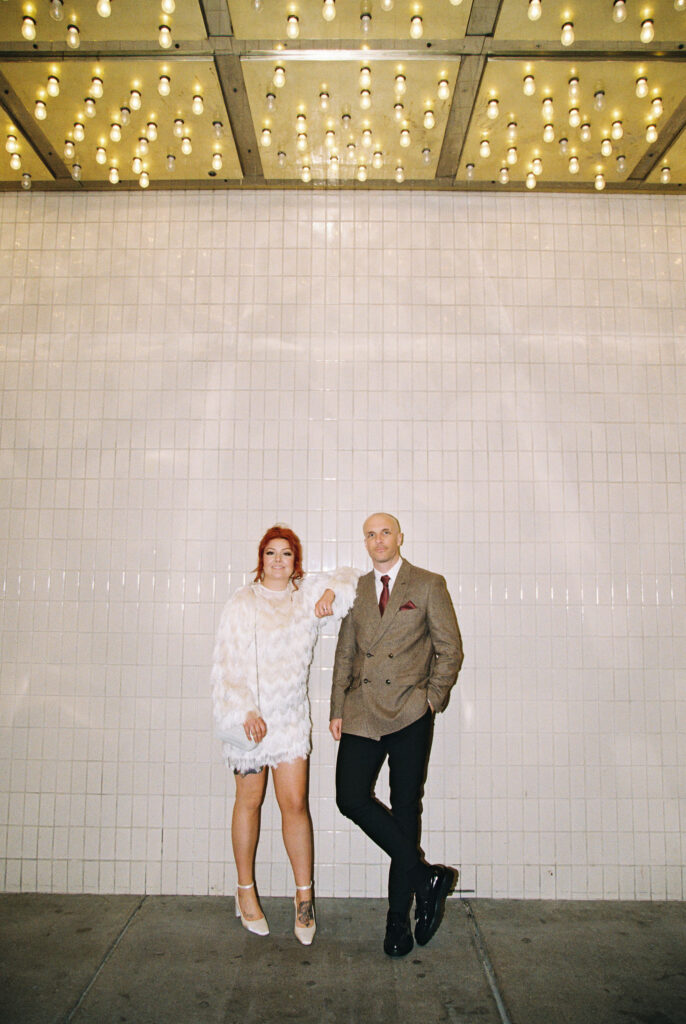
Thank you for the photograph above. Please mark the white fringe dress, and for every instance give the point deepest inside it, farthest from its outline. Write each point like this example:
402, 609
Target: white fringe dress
264, 644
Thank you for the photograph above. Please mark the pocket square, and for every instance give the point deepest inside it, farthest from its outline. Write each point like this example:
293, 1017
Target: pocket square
407, 607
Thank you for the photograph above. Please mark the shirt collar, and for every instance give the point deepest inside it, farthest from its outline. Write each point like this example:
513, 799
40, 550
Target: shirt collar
391, 573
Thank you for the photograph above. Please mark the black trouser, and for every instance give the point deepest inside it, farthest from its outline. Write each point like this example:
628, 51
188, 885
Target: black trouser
396, 830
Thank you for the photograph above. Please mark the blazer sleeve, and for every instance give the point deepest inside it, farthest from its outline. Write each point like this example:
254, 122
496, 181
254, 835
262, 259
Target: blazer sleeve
342, 668
447, 643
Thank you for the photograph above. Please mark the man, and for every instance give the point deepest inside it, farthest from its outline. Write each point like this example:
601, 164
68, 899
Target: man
398, 655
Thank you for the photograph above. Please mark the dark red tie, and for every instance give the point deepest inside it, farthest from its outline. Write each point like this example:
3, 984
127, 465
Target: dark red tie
385, 593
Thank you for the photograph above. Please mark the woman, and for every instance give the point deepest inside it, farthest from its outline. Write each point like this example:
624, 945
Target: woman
264, 646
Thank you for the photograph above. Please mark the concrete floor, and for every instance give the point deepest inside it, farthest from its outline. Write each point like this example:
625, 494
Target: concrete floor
182, 960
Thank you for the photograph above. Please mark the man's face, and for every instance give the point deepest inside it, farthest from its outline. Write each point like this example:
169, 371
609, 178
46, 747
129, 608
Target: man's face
382, 539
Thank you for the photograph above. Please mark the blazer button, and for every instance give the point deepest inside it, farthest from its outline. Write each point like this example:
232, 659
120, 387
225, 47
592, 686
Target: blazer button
388, 682
365, 680
390, 655
369, 654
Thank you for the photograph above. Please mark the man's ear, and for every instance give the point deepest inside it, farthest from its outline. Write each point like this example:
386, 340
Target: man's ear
401, 538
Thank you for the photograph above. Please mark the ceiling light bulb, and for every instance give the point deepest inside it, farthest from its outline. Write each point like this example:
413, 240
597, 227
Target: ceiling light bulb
365, 99
386, 5
143, 146
567, 34
512, 130
292, 26
444, 88
405, 138
144, 179
266, 137
101, 155
573, 86
69, 149
151, 131
104, 8
665, 175
324, 100
484, 149
537, 165
217, 162
651, 133
300, 122
469, 171
41, 110
656, 107
621, 164
641, 87
619, 11
547, 108
503, 176
400, 174
257, 5
89, 105
399, 111
429, 119
365, 77
270, 100
574, 117
365, 21
73, 38
606, 147
186, 146
168, 6
549, 133
300, 142
197, 106
346, 120
164, 85
125, 115
135, 99
76, 172
599, 182
530, 180
534, 11
136, 165
585, 132
79, 132
426, 155
599, 99
416, 27
57, 9
330, 138
329, 10
279, 77
362, 173
377, 160
165, 37
564, 146
281, 158
115, 132
178, 128
171, 161
617, 130
529, 85
28, 28
218, 129
53, 86
400, 84
306, 174
647, 31
574, 165
492, 109
15, 162
96, 89
680, 5
367, 137
512, 155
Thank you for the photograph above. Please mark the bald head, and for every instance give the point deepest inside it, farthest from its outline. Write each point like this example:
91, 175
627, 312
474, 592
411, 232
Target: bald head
382, 538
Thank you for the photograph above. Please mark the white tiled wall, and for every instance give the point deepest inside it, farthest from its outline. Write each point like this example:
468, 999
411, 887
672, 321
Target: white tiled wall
505, 373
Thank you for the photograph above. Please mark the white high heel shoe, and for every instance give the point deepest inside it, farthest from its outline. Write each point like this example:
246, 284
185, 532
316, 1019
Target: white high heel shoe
304, 934
257, 927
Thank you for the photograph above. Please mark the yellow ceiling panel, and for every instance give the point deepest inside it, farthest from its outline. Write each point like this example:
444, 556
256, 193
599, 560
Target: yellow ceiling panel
607, 134
151, 126
321, 102
135, 20
590, 21
18, 157
439, 19
672, 168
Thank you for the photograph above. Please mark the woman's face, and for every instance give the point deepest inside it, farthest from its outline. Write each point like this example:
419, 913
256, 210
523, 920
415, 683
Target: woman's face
277, 564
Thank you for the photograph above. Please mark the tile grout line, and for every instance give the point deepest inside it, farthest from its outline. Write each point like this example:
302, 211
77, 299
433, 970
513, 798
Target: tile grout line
106, 958
486, 963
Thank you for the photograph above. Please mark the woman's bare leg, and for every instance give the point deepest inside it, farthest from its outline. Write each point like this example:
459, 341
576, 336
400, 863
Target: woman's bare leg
245, 831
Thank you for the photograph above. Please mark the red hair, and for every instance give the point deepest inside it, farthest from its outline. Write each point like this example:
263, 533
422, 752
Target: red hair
281, 533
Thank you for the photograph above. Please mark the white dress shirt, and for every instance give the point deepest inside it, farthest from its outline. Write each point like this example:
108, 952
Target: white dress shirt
391, 573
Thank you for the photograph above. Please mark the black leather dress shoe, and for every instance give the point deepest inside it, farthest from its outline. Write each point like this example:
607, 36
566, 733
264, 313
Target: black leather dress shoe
431, 902
398, 941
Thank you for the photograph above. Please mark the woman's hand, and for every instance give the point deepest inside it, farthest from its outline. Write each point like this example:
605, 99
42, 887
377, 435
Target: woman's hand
324, 605
255, 727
